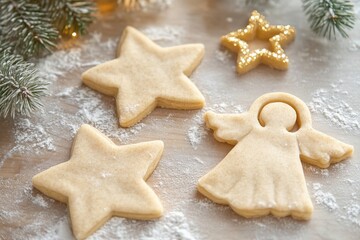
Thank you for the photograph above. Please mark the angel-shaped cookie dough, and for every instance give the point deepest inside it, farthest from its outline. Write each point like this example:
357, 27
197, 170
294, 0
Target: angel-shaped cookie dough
263, 174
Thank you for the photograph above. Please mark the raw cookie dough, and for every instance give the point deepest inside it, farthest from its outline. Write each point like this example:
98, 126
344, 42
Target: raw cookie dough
263, 174
258, 28
145, 76
102, 180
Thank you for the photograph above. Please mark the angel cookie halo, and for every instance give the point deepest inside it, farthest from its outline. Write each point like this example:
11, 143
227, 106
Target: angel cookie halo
102, 180
145, 76
263, 174
259, 28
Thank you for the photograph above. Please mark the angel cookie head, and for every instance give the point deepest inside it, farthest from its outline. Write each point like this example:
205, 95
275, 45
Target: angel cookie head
263, 174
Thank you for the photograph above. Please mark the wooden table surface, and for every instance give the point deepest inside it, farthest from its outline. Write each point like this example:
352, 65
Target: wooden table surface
324, 74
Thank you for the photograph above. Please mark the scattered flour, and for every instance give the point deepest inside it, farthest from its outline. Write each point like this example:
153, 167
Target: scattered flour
150, 5
40, 134
31, 137
197, 131
65, 93
37, 134
199, 160
5, 215
59, 231
207, 204
195, 135
173, 225
163, 33
223, 56
317, 171
332, 105
324, 198
352, 213
64, 112
62, 62
354, 46
40, 201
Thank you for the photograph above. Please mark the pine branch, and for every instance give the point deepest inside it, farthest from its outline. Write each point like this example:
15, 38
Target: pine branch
70, 15
20, 86
327, 17
26, 28
30, 28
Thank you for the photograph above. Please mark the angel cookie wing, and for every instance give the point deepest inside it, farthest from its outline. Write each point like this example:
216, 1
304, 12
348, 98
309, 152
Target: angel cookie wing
229, 128
320, 149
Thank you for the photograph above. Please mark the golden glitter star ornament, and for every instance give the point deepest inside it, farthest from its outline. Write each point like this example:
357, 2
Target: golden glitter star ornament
258, 28
102, 180
146, 75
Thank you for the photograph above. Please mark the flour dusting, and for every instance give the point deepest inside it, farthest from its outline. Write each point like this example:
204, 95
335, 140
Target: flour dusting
173, 225
354, 46
40, 201
332, 105
163, 33
317, 171
66, 109
195, 134
28, 214
326, 199
223, 56
352, 213
151, 5
32, 137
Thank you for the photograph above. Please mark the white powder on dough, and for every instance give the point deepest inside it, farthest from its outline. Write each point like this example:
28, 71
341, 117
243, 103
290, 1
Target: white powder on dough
331, 103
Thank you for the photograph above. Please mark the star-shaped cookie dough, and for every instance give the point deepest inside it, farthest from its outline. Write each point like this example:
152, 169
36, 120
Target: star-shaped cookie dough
102, 180
145, 76
259, 28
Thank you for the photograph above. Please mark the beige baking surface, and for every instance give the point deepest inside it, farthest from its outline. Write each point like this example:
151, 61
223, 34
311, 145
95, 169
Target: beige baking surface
320, 72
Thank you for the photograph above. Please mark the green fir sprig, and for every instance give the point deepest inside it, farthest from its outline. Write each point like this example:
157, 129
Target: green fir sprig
31, 29
26, 28
70, 15
329, 17
20, 86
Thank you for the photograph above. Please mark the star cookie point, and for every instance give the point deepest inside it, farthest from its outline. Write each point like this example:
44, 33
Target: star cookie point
145, 76
258, 28
102, 180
